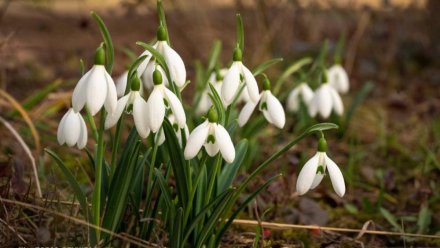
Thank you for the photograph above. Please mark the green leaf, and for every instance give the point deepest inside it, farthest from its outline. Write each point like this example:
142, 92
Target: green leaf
229, 172
162, 18
119, 188
266, 64
289, 71
164, 188
424, 219
217, 101
110, 52
390, 218
240, 33
358, 99
214, 57
321, 127
178, 163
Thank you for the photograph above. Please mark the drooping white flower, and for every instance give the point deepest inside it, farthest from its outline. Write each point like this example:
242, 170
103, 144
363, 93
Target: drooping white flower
300, 93
237, 73
132, 103
268, 104
324, 101
314, 170
96, 88
173, 60
72, 130
338, 78
213, 137
161, 99
178, 131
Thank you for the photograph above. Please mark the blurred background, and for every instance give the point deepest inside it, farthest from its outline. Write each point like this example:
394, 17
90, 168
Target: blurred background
391, 155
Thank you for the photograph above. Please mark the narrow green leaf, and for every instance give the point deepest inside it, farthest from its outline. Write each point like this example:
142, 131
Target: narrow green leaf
214, 57
390, 218
358, 99
162, 18
424, 219
164, 188
229, 172
240, 33
266, 64
217, 101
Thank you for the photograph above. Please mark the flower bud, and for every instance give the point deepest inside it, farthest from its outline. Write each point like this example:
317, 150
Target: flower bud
157, 77
135, 84
266, 83
212, 115
161, 33
238, 56
100, 56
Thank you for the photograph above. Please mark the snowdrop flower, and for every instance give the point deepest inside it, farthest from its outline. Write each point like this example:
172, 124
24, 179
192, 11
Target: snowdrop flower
325, 100
213, 137
314, 170
121, 84
72, 130
300, 93
338, 78
161, 99
216, 79
236, 73
268, 104
173, 60
132, 103
177, 131
96, 88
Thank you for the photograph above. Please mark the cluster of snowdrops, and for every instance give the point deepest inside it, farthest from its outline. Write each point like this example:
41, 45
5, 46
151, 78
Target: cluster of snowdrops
150, 92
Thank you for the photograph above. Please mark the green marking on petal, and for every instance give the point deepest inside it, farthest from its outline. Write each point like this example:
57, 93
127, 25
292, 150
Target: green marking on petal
320, 170
211, 139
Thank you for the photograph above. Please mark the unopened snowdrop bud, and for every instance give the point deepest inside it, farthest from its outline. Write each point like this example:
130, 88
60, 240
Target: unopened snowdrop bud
268, 104
213, 137
72, 130
132, 103
232, 79
325, 100
95, 88
338, 78
161, 99
300, 93
313, 172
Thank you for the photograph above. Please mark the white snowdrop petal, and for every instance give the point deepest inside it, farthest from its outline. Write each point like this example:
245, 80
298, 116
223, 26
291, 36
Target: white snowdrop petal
306, 93
72, 128
338, 106
307, 175
121, 84
155, 109
293, 100
313, 106
176, 108
319, 175
246, 113
112, 96
96, 92
324, 101
147, 76
251, 84
336, 177
275, 110
231, 82
225, 144
60, 131
112, 119
140, 116
211, 149
175, 65
161, 138
204, 104
196, 140
143, 65
82, 141
79, 96
338, 78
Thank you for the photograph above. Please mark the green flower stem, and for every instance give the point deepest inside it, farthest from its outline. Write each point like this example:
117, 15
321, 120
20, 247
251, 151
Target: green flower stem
115, 147
96, 206
92, 124
194, 188
153, 161
212, 180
